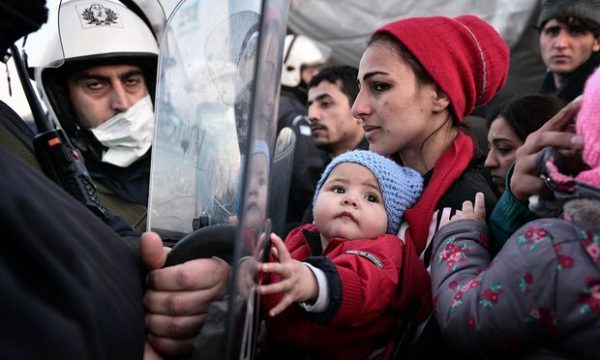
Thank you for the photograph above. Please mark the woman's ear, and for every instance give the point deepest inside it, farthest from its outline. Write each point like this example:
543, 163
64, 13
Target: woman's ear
440, 101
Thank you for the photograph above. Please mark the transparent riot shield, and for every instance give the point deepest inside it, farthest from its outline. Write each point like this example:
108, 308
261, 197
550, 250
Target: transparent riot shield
206, 68
253, 243
216, 110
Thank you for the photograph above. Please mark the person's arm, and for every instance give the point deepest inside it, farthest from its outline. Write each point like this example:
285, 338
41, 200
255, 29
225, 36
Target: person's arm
298, 283
367, 271
508, 215
178, 297
483, 308
512, 209
557, 133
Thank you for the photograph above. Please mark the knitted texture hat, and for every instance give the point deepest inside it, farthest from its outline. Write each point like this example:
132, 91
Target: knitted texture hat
586, 9
588, 126
465, 56
261, 147
399, 186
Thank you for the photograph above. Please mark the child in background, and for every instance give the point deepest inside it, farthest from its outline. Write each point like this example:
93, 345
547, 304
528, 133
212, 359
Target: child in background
348, 260
540, 297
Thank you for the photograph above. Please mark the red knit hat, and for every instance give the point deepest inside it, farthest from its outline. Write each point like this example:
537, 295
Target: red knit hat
465, 56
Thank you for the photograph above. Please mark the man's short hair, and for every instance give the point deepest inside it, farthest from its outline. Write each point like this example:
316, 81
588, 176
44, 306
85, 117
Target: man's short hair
576, 14
343, 75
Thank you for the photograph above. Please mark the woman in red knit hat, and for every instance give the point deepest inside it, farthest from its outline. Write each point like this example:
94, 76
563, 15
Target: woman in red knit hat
419, 78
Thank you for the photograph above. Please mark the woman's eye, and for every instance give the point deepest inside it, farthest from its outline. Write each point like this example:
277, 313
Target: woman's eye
505, 150
380, 86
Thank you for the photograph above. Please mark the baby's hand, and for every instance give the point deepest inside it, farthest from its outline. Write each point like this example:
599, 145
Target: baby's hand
470, 212
297, 283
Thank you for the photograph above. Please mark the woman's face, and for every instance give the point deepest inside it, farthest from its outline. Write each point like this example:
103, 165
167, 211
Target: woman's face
504, 143
396, 110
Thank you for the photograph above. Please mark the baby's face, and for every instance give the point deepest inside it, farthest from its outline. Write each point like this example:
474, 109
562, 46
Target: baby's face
350, 204
256, 198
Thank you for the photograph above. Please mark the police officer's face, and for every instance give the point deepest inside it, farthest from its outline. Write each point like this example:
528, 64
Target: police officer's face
100, 92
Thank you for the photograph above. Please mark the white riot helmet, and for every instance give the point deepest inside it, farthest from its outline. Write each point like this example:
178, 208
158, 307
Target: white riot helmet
92, 33
300, 51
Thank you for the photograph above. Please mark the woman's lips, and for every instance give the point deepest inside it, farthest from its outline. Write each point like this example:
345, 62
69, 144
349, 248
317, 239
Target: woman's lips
369, 129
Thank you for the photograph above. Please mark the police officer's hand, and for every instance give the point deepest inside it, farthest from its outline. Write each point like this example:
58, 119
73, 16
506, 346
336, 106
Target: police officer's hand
178, 297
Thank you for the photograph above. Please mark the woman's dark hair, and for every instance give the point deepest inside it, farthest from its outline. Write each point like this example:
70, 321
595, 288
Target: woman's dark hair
422, 76
526, 114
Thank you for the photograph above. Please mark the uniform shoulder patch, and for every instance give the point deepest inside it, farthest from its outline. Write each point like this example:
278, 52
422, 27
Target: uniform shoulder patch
367, 255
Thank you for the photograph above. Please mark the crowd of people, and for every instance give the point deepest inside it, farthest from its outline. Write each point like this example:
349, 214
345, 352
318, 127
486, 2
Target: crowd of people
403, 250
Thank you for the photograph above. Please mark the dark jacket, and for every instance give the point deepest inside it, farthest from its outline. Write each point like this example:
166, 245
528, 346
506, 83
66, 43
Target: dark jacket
574, 83
71, 288
308, 159
130, 183
17, 137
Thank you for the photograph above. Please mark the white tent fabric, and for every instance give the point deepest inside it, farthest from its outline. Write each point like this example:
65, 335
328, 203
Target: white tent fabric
345, 26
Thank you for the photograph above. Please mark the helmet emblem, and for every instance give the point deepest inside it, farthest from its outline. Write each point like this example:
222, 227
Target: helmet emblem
99, 15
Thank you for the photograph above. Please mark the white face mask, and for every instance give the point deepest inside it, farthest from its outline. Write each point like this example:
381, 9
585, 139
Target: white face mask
127, 135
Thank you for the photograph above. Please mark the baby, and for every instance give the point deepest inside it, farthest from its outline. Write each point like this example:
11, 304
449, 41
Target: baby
332, 291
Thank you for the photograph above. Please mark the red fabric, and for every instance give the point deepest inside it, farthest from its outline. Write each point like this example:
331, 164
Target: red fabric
368, 310
465, 56
446, 171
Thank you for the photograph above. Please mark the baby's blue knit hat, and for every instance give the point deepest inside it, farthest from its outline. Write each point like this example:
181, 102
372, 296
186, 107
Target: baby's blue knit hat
400, 186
